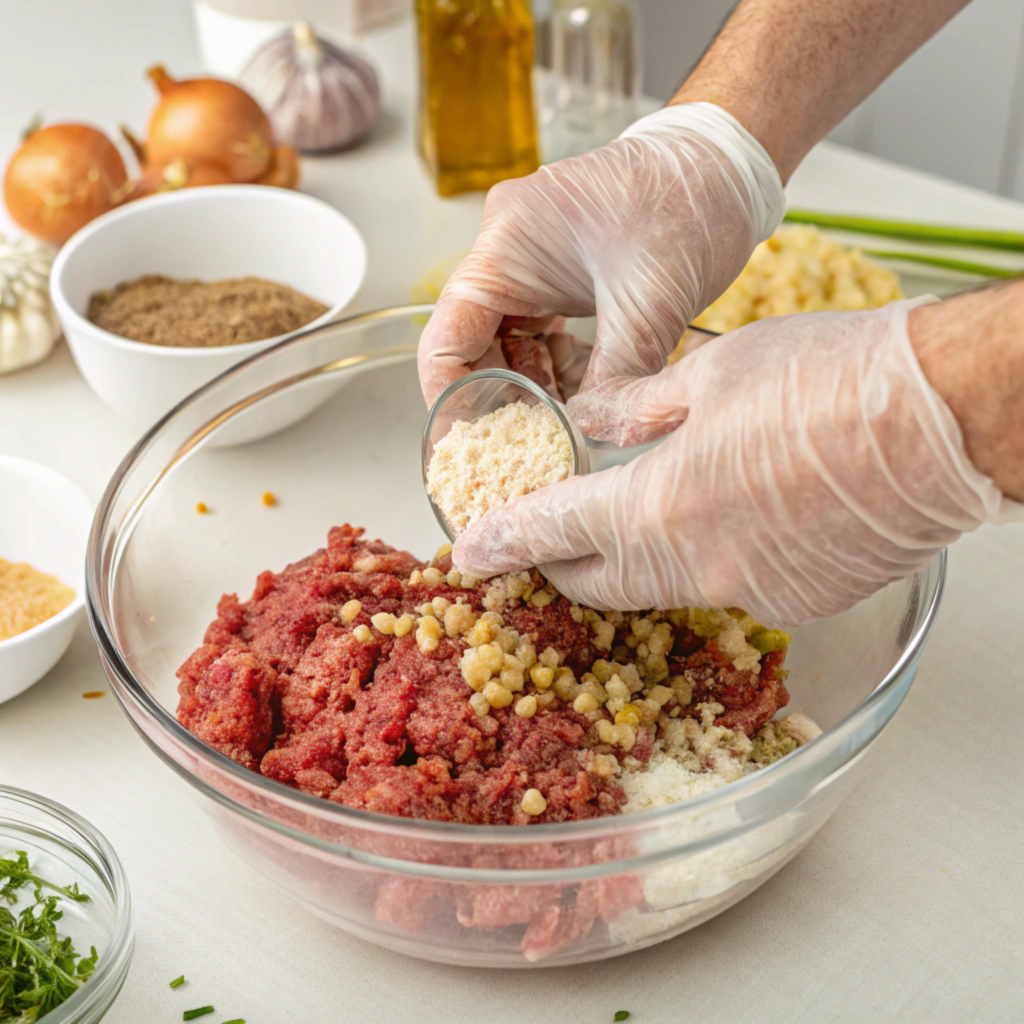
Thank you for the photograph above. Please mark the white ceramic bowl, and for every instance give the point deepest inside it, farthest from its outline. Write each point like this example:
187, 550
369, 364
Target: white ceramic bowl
44, 520
211, 234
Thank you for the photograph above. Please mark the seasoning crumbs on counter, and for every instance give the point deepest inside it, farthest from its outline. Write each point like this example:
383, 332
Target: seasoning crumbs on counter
269, 499
93, 694
202, 508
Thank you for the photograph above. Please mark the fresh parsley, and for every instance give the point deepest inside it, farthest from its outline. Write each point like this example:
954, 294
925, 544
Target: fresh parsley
39, 970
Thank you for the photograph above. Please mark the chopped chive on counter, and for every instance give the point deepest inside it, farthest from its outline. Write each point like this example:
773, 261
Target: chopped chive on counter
201, 1012
237, 1020
178, 982
621, 1015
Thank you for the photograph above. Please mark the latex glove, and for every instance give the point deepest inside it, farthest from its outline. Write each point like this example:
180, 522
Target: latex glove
644, 232
816, 465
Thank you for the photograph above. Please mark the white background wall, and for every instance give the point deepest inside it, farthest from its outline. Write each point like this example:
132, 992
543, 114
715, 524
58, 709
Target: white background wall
956, 108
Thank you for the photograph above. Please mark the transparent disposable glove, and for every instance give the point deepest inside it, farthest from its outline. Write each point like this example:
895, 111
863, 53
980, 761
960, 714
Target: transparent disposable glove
644, 232
816, 464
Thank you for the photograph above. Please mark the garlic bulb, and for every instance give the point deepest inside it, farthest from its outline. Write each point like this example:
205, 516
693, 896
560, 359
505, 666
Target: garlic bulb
28, 326
318, 97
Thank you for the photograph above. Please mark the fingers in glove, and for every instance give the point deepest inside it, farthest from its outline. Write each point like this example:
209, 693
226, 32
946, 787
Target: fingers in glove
528, 326
569, 357
631, 346
564, 521
629, 411
458, 334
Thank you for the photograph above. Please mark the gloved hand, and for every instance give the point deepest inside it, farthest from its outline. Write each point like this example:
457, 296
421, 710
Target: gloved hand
816, 464
644, 232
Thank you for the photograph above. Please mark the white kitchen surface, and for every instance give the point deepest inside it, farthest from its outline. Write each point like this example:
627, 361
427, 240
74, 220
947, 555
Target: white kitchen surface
907, 906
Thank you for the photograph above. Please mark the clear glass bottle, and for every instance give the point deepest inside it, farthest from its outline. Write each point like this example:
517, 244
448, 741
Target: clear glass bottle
477, 124
593, 85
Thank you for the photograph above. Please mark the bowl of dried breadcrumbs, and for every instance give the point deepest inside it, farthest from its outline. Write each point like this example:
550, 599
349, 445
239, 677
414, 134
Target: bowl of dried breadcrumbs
44, 527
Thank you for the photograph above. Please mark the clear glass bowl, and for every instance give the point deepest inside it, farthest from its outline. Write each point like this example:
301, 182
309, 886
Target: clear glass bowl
64, 848
477, 895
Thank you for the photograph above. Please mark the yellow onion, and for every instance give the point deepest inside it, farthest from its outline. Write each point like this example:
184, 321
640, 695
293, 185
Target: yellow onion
284, 170
206, 121
177, 174
62, 177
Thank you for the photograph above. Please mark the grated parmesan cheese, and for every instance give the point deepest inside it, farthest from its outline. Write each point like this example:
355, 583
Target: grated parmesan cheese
664, 780
480, 464
692, 758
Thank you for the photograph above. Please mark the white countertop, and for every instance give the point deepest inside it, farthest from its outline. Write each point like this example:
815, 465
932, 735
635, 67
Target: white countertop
905, 907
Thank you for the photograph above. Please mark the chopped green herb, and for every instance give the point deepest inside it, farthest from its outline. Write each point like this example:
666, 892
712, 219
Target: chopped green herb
621, 1015
237, 1020
178, 982
38, 969
201, 1012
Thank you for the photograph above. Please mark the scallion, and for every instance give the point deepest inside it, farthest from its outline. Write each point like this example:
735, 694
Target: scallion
946, 263
621, 1015
202, 1011
178, 982
940, 233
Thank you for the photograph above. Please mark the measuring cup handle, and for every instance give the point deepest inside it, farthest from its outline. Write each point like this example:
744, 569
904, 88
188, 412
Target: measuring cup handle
604, 455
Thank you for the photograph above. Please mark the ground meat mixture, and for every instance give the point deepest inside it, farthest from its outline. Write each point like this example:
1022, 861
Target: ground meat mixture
366, 677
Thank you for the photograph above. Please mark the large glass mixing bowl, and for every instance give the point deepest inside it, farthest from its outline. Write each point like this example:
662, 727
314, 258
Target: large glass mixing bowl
479, 895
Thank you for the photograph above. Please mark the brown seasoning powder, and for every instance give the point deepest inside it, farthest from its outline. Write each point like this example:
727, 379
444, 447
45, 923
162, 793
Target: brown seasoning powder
196, 314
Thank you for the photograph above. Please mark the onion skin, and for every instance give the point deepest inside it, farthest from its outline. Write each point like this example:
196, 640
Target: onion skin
284, 170
177, 175
208, 121
62, 177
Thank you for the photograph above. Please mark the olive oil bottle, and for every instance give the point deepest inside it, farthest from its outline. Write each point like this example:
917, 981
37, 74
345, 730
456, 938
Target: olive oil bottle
477, 124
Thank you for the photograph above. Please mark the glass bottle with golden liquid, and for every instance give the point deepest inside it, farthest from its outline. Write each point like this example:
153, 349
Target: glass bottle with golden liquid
477, 124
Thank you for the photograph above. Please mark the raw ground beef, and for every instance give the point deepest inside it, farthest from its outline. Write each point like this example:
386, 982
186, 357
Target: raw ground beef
283, 686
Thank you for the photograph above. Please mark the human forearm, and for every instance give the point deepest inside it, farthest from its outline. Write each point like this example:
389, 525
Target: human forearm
971, 349
790, 70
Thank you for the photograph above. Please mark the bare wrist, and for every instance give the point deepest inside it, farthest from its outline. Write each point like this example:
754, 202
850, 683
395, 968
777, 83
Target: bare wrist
971, 349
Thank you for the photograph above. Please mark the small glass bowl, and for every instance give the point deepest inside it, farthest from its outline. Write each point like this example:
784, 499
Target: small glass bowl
64, 848
482, 392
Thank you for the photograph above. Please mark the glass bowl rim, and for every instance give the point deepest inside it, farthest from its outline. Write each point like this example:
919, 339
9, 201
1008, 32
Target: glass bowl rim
112, 967
275, 792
